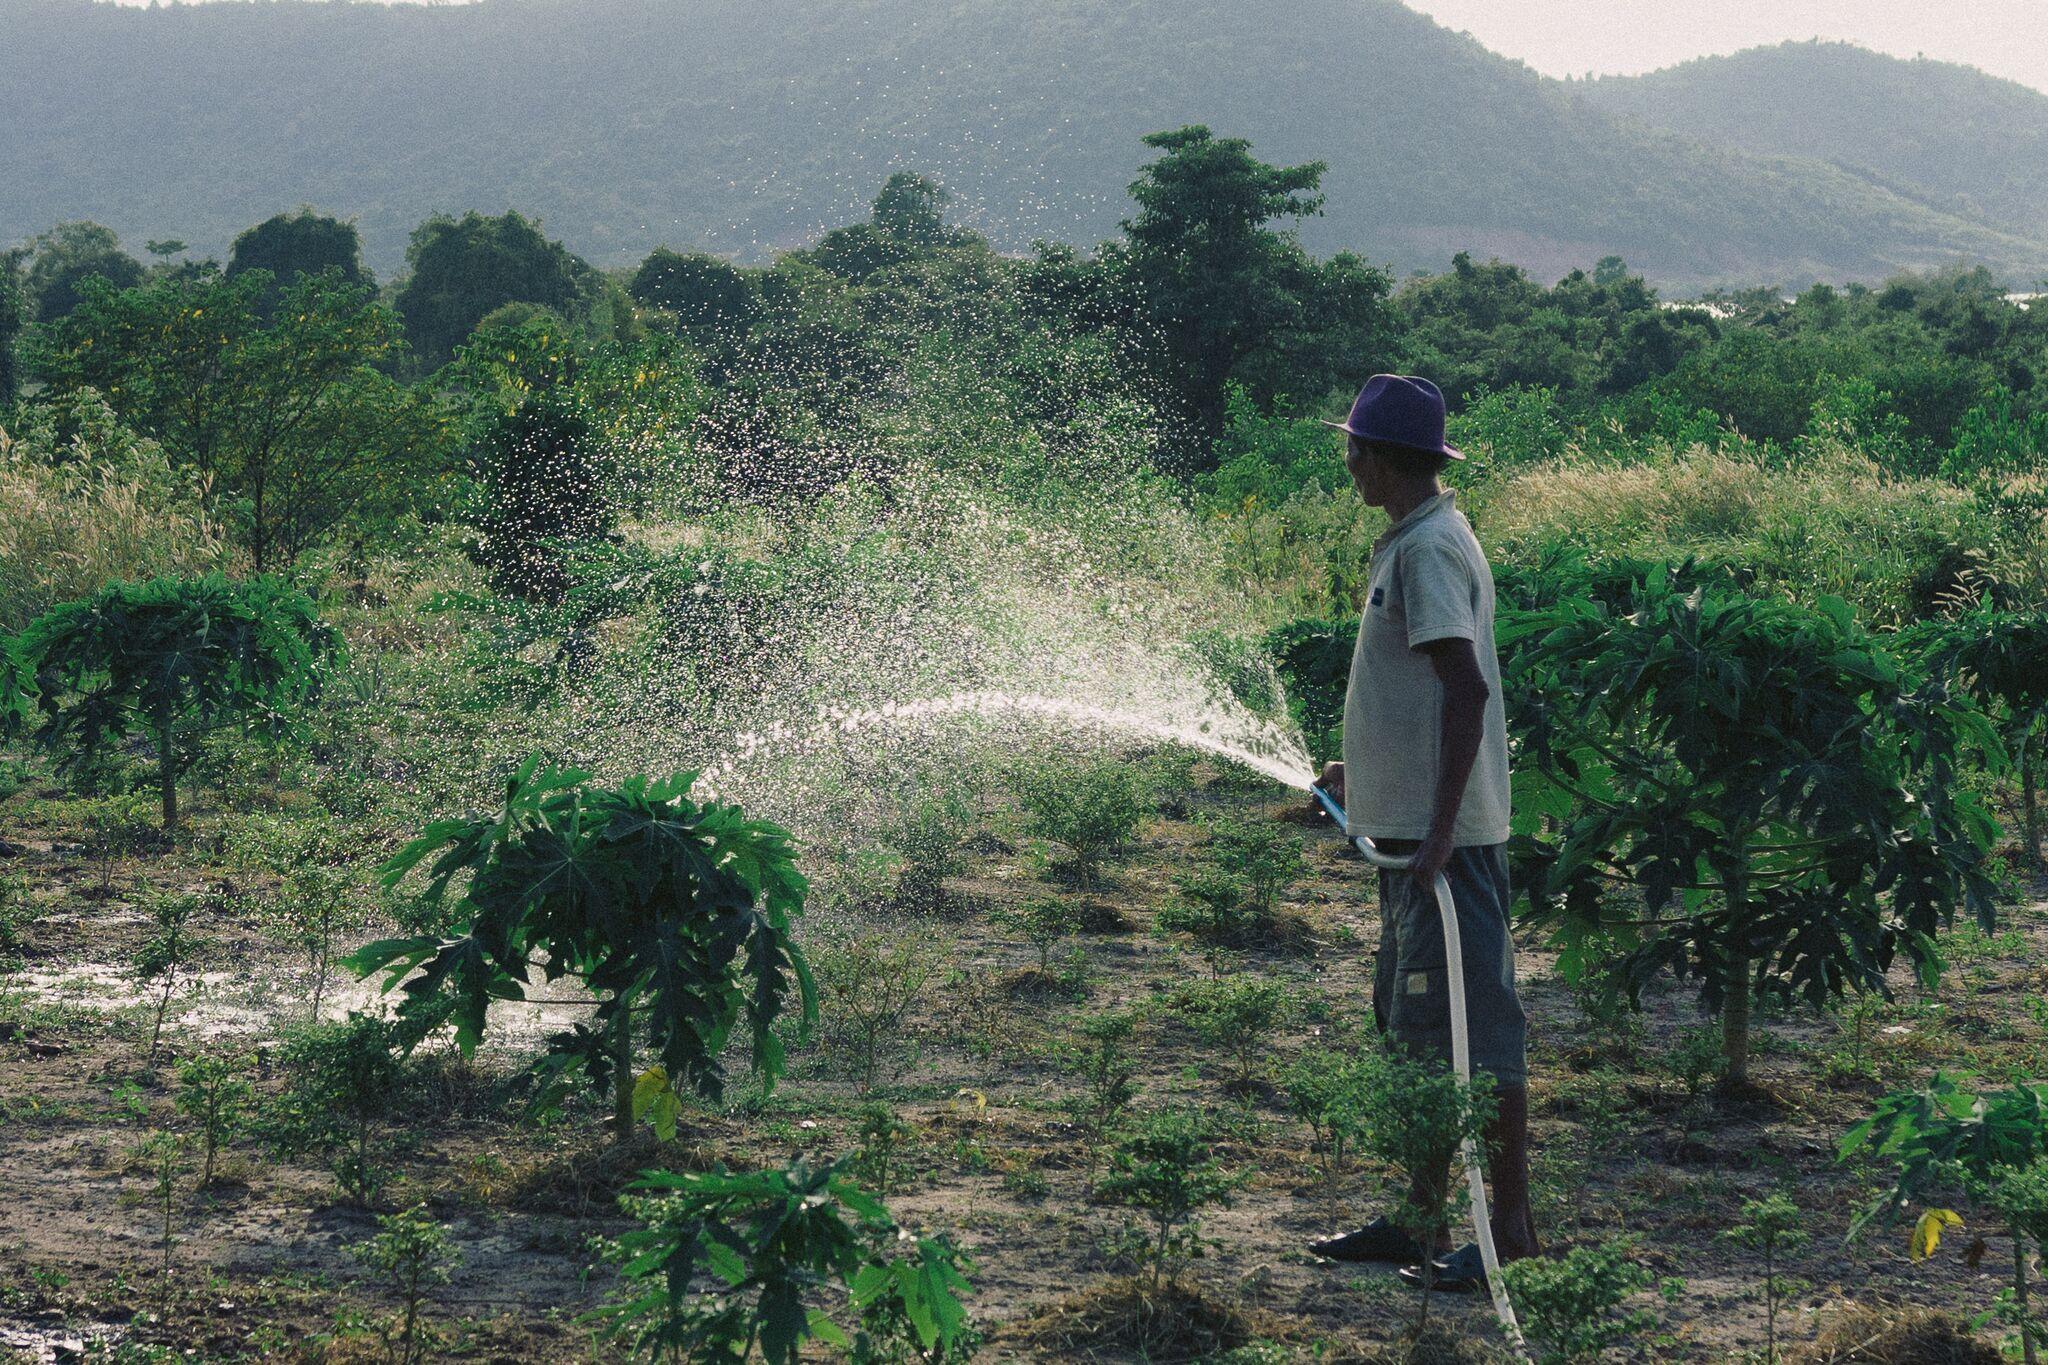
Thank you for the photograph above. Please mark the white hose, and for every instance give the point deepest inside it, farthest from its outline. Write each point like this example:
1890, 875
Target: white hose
1461, 1059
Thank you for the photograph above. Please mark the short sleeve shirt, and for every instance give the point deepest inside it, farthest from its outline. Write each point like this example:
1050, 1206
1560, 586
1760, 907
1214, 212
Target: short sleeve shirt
1429, 581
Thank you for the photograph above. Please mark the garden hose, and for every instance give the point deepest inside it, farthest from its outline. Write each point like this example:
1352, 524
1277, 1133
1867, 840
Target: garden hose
1461, 1058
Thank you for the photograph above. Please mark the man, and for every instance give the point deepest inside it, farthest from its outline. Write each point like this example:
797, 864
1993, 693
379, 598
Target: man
1425, 772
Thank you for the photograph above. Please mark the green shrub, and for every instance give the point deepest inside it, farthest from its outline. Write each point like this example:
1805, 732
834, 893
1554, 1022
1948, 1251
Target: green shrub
213, 1093
341, 1084
1237, 1015
1164, 1167
1571, 1305
1093, 810
413, 1255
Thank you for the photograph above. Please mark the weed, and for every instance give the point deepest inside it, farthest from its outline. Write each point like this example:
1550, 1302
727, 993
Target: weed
165, 953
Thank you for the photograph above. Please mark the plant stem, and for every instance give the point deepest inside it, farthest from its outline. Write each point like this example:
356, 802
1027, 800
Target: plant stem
1735, 1020
167, 773
2019, 1296
2030, 801
622, 1075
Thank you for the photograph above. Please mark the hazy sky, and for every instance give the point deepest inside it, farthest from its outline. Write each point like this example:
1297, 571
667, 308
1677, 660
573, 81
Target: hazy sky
1571, 37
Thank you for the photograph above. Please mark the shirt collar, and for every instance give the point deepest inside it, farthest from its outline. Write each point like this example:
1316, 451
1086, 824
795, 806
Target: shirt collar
1442, 502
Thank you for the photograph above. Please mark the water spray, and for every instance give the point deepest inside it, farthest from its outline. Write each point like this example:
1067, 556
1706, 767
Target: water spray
1461, 1059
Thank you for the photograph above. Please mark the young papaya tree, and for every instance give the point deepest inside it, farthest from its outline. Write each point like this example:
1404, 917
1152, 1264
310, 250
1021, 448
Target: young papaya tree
173, 659
2000, 659
1778, 790
676, 915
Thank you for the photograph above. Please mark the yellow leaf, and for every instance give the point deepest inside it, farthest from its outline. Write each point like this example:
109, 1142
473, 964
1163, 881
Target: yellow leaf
1927, 1232
654, 1099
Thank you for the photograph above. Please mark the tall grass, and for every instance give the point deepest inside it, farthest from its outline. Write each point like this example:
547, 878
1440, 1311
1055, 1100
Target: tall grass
1830, 522
84, 502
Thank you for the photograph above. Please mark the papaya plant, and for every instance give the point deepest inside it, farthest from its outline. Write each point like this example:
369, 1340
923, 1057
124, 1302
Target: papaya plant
173, 659
677, 915
2000, 659
1949, 1139
723, 1261
1780, 791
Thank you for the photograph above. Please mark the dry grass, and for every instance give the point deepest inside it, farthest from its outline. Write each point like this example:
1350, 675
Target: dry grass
1127, 1317
1907, 1336
96, 505
1829, 521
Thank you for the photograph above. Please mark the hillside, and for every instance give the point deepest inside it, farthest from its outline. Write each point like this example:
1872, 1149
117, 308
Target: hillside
745, 128
1961, 141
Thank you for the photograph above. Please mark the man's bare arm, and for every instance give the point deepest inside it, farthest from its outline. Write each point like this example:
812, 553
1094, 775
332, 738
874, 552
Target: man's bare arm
1463, 726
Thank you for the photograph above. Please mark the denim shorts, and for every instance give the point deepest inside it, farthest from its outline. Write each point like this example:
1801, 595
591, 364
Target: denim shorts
1410, 991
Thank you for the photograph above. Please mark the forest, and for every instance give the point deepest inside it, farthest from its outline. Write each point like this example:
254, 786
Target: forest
718, 811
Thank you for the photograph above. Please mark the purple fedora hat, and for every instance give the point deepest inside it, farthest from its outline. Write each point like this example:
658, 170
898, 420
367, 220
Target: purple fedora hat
1401, 410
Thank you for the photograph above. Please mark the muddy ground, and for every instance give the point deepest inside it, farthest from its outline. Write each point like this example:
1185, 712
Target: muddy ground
258, 1266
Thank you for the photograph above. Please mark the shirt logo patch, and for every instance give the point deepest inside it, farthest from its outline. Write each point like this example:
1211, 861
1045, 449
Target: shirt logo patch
1418, 983
1379, 595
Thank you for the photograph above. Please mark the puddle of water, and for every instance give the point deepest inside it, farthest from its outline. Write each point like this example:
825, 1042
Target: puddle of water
64, 1342
223, 1004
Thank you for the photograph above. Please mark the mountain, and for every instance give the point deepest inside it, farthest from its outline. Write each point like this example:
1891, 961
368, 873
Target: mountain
744, 127
1958, 140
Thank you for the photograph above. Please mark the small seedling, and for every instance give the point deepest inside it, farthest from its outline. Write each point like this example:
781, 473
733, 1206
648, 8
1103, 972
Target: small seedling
343, 1082
928, 840
414, 1255
1418, 1114
164, 1155
1237, 1015
212, 1092
1263, 855
1093, 810
1045, 922
1215, 909
165, 954
1328, 1091
867, 986
882, 1140
1164, 1167
1772, 1228
1103, 1061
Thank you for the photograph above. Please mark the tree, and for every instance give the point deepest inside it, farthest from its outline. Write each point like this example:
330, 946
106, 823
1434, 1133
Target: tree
289, 416
1217, 282
1781, 794
173, 658
678, 914
290, 247
464, 268
709, 297
2000, 659
543, 490
68, 255
14, 318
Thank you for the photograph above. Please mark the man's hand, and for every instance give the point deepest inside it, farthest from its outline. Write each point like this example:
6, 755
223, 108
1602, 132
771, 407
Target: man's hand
1432, 855
1332, 781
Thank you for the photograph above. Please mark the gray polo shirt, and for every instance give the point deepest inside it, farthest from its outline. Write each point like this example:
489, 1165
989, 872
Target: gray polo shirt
1429, 581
